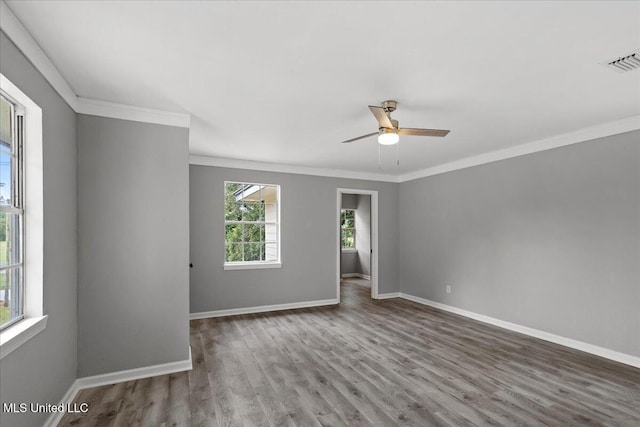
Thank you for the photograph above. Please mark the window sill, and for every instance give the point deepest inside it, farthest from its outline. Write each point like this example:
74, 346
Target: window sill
18, 334
349, 250
251, 265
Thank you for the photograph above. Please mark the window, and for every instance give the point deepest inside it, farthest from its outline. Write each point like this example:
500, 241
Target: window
348, 229
251, 225
21, 219
11, 213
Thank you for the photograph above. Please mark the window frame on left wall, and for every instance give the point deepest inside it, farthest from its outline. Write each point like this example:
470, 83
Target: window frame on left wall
12, 211
32, 320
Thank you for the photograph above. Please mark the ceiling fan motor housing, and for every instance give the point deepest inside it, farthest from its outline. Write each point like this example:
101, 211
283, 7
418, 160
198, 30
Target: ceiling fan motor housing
389, 106
395, 124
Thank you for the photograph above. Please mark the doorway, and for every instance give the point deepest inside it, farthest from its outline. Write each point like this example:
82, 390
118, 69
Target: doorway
372, 260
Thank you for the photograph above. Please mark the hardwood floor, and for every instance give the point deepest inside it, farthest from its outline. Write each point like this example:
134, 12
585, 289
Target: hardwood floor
365, 362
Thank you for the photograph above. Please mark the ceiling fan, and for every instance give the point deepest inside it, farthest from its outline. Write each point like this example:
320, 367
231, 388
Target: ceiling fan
388, 130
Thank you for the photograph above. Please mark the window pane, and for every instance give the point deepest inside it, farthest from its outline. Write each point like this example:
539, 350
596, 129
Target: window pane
10, 304
233, 233
233, 252
6, 174
271, 212
233, 187
6, 117
9, 239
347, 238
253, 251
347, 218
6, 149
270, 194
271, 233
232, 202
253, 211
253, 233
233, 211
271, 251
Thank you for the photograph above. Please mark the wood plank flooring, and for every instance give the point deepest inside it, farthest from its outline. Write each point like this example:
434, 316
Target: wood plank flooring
365, 362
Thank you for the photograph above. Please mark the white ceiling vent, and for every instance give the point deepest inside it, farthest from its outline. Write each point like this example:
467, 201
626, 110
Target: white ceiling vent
626, 63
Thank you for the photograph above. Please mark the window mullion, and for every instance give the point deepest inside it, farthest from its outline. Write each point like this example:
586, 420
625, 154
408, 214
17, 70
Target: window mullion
10, 266
11, 210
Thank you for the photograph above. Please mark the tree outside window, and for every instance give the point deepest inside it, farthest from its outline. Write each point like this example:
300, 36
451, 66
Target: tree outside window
347, 229
251, 222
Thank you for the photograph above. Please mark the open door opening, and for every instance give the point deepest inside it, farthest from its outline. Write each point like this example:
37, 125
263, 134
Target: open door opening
357, 243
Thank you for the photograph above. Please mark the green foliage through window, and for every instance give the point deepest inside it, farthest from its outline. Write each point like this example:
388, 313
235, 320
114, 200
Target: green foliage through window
251, 222
347, 229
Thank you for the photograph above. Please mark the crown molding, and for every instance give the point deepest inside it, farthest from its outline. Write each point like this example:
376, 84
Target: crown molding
19, 35
586, 134
94, 107
284, 168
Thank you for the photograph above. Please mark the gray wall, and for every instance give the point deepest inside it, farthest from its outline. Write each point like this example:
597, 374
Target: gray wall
549, 240
349, 262
363, 234
349, 201
133, 227
308, 240
45, 367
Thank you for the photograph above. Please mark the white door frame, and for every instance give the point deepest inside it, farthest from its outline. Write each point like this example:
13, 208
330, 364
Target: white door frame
374, 237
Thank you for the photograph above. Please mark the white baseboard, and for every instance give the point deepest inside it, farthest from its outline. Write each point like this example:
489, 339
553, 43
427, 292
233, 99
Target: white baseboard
616, 356
136, 374
358, 275
389, 295
262, 309
117, 377
68, 397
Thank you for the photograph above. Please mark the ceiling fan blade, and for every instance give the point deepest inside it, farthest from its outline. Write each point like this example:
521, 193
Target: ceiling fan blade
381, 116
360, 137
423, 132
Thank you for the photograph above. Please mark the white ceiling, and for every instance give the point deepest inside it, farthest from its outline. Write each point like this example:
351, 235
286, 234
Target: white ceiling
285, 82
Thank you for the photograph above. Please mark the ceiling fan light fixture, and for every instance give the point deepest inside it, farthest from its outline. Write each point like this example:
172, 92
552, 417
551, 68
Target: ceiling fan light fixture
388, 137
389, 130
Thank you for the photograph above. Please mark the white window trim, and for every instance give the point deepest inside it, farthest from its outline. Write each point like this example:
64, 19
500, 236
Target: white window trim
34, 319
253, 265
348, 250
257, 265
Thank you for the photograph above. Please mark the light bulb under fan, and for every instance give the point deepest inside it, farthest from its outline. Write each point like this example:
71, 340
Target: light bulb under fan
388, 137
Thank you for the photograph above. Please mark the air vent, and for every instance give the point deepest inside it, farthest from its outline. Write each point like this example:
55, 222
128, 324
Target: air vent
625, 63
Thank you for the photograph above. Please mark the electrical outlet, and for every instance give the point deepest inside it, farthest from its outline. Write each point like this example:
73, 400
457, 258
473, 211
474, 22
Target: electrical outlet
448, 289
